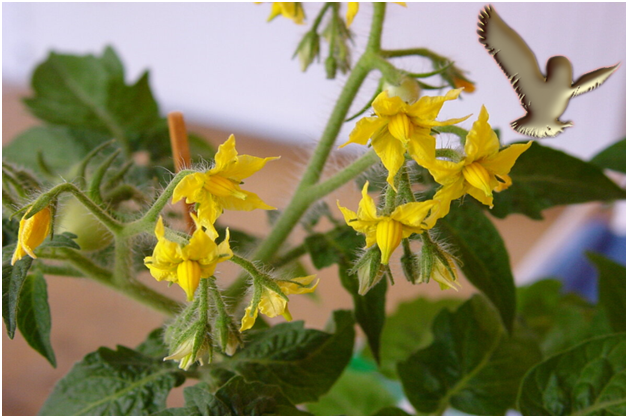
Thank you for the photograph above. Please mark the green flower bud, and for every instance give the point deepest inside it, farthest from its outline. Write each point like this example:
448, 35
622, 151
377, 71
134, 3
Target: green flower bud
308, 49
369, 269
408, 90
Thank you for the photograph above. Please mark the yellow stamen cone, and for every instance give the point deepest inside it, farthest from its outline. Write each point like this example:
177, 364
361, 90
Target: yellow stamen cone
478, 177
189, 275
220, 186
389, 233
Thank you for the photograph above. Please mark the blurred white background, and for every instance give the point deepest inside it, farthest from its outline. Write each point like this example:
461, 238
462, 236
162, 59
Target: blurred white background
223, 65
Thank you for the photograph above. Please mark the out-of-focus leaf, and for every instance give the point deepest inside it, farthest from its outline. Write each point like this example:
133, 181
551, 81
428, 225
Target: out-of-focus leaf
613, 157
544, 177
13, 278
589, 379
484, 259
344, 399
612, 290
34, 316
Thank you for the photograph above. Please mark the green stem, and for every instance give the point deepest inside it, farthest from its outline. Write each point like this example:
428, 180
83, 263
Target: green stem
422, 52
303, 196
60, 270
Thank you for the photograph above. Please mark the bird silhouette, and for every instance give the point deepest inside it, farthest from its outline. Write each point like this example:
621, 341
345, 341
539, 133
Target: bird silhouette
544, 98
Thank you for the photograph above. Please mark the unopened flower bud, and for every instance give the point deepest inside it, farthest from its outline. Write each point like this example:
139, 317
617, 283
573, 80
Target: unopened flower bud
369, 270
32, 233
308, 49
196, 345
330, 68
410, 265
436, 263
408, 90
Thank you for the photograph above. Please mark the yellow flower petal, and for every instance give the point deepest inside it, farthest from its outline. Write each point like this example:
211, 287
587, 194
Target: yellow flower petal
400, 127
478, 177
481, 141
352, 10
298, 286
32, 232
413, 213
364, 130
248, 320
189, 276
272, 304
389, 234
391, 151
191, 188
502, 162
226, 153
367, 210
426, 109
388, 106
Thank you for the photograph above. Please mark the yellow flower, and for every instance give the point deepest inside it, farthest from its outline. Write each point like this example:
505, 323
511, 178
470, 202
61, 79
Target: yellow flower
398, 126
219, 188
468, 86
187, 264
388, 231
483, 170
354, 6
290, 10
32, 233
273, 304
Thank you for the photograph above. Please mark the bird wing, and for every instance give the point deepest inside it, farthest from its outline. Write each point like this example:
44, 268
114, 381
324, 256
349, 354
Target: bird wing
511, 53
592, 80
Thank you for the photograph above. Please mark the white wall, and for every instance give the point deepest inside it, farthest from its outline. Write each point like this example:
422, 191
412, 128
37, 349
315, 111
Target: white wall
222, 64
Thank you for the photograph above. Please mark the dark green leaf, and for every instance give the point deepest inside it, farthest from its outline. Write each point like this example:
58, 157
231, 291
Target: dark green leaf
589, 379
108, 382
613, 157
611, 290
559, 321
369, 309
483, 256
304, 363
10, 229
544, 177
13, 278
89, 92
200, 149
341, 243
409, 329
472, 364
344, 399
34, 316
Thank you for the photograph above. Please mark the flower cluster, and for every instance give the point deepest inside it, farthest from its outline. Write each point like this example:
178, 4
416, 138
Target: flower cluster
402, 125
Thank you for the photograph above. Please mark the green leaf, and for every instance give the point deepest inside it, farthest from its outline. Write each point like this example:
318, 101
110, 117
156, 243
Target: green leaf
409, 329
235, 398
369, 310
344, 399
613, 157
391, 411
589, 379
304, 363
483, 256
559, 321
472, 364
544, 177
65, 239
340, 244
33, 320
61, 147
108, 382
13, 278
89, 92
611, 290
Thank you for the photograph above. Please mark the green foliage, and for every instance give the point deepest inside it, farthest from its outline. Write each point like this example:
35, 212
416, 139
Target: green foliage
304, 363
558, 321
544, 177
589, 379
13, 278
65, 240
235, 398
409, 329
611, 290
345, 398
472, 364
34, 316
108, 382
483, 256
613, 157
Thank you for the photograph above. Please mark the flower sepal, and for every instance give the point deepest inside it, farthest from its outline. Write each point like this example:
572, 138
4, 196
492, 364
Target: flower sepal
437, 264
369, 269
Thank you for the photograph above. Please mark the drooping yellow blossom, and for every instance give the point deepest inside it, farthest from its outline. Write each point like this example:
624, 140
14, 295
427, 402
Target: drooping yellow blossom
184, 353
272, 304
32, 233
466, 85
219, 188
483, 170
388, 231
290, 10
186, 264
354, 6
445, 274
399, 125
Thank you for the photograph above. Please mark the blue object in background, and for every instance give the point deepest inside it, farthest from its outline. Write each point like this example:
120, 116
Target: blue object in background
572, 266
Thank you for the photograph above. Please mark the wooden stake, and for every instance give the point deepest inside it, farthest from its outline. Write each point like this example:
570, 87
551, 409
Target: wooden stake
180, 153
